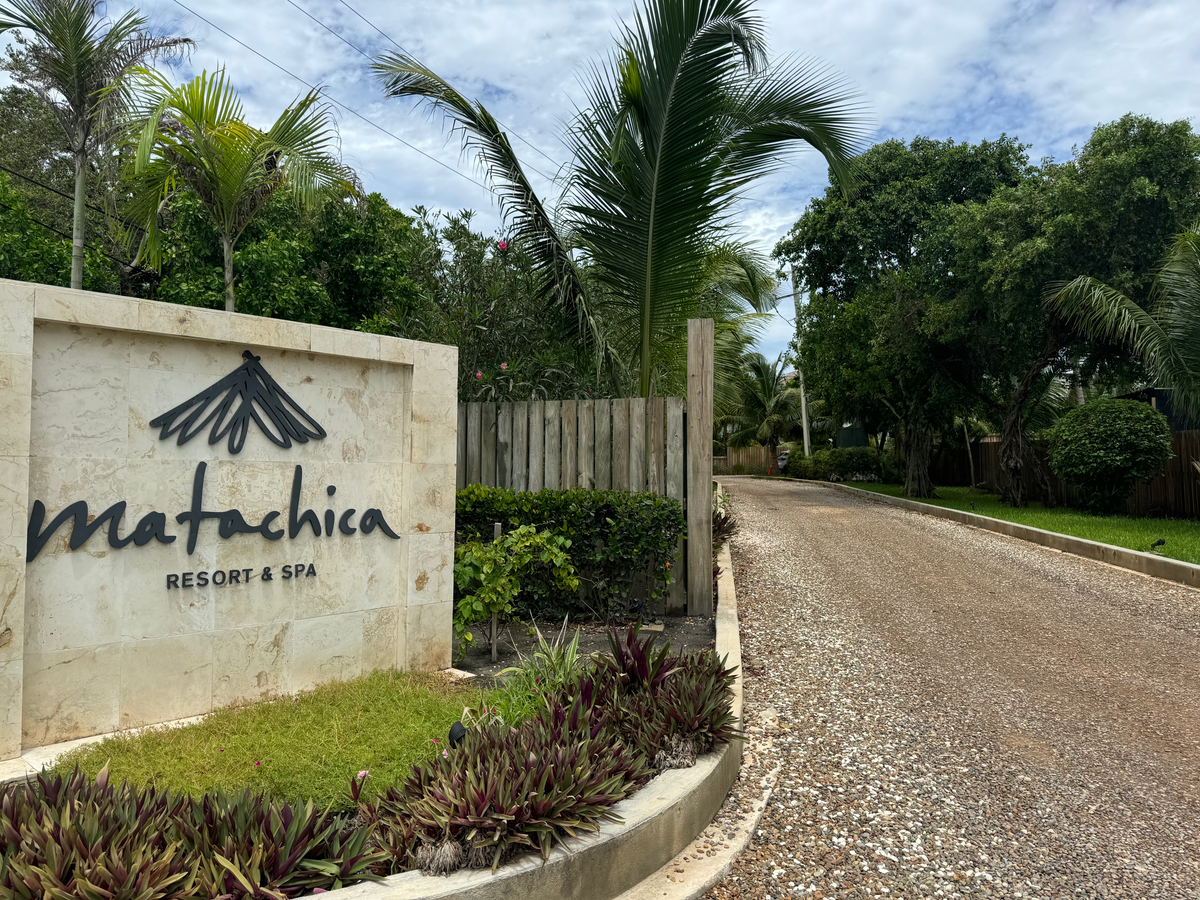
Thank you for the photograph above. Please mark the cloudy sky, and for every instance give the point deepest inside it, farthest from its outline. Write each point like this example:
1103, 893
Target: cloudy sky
1046, 72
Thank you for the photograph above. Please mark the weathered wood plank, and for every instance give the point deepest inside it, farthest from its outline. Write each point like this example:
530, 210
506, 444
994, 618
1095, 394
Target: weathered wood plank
677, 596
587, 444
570, 451
604, 445
655, 445
637, 444
620, 445
699, 466
537, 445
487, 456
504, 445
474, 442
553, 471
520, 446
461, 442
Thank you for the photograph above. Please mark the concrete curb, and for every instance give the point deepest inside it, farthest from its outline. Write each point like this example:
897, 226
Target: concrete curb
1145, 563
706, 861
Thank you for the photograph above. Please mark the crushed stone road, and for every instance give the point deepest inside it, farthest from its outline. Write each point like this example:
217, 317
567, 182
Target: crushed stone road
960, 714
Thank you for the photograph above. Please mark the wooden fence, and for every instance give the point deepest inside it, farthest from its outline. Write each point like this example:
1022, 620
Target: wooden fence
623, 445
744, 461
632, 444
1173, 494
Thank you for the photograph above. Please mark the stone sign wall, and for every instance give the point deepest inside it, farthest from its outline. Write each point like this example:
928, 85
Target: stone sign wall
198, 508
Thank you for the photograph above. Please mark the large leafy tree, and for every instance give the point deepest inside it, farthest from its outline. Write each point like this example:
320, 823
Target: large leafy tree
871, 337
1110, 212
78, 63
684, 116
192, 137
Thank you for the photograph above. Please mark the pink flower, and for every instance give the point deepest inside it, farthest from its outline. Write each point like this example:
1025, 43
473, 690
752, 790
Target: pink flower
435, 740
478, 374
503, 367
257, 763
365, 773
445, 754
589, 390
502, 246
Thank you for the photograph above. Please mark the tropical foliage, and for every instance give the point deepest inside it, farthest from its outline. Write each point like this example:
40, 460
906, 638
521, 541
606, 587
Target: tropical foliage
1165, 336
770, 404
194, 138
685, 115
78, 64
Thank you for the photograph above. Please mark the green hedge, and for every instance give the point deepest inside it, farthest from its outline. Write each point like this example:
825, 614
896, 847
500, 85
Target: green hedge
622, 543
846, 464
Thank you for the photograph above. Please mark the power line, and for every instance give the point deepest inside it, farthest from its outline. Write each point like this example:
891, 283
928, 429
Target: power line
334, 100
52, 189
387, 36
61, 234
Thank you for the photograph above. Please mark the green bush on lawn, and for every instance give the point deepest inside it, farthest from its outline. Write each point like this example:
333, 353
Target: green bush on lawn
618, 540
1106, 447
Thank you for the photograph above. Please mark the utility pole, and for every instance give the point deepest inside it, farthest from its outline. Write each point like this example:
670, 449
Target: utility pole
799, 371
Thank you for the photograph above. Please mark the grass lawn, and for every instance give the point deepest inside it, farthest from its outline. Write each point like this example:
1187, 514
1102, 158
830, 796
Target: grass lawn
1182, 535
295, 748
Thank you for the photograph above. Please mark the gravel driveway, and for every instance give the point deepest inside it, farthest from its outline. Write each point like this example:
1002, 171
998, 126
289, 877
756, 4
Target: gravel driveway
961, 714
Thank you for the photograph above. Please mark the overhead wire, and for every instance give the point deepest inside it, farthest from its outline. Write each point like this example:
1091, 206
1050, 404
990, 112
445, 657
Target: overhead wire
368, 56
388, 37
61, 234
333, 99
52, 189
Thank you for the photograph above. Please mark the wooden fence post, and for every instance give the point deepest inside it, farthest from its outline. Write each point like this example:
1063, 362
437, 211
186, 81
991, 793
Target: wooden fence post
570, 455
677, 599
504, 423
655, 445
520, 446
637, 444
699, 466
604, 445
587, 418
537, 444
474, 442
461, 455
620, 445
487, 437
553, 470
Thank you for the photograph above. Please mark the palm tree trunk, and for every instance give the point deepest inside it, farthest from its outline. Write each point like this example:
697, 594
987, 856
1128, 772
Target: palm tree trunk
227, 246
77, 225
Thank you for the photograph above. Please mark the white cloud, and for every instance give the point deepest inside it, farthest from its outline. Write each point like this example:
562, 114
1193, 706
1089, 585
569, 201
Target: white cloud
1045, 71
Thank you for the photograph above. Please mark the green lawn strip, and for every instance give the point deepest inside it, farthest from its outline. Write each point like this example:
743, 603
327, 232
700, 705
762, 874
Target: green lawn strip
1182, 535
295, 748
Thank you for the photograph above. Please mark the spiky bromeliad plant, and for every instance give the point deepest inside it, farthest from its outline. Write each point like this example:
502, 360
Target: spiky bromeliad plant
678, 123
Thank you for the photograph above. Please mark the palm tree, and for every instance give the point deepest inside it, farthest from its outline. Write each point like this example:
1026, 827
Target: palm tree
192, 138
678, 123
79, 65
770, 404
1166, 336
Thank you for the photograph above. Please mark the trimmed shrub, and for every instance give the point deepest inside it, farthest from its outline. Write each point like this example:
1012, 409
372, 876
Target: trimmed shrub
1105, 447
846, 464
620, 541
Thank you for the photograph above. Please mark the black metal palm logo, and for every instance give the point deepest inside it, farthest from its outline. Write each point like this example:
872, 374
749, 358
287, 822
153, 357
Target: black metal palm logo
247, 393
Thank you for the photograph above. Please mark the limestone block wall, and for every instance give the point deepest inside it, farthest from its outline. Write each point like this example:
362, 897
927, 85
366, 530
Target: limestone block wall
145, 621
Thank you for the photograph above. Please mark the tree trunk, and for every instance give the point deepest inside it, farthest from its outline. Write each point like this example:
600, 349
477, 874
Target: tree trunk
918, 443
1015, 449
227, 245
78, 222
970, 458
